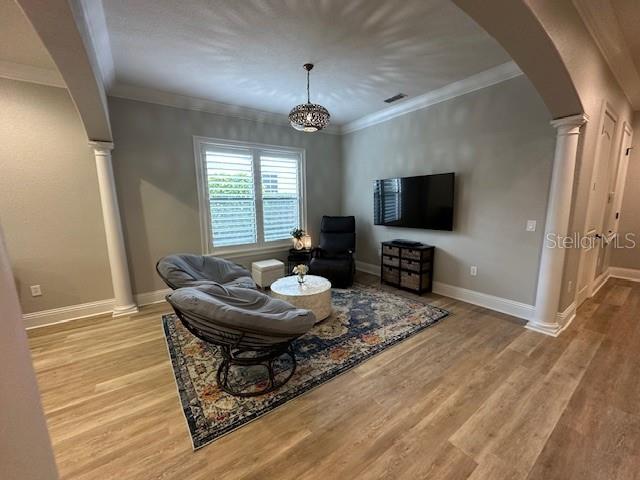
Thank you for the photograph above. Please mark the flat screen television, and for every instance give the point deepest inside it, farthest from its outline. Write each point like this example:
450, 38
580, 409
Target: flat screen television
415, 202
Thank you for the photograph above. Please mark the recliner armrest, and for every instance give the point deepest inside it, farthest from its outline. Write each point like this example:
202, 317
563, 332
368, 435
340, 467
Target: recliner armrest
332, 256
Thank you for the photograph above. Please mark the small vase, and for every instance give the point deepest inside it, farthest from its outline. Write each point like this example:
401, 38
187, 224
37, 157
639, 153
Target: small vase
300, 279
298, 244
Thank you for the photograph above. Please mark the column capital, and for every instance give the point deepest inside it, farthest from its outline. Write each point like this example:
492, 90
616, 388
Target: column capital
103, 148
570, 125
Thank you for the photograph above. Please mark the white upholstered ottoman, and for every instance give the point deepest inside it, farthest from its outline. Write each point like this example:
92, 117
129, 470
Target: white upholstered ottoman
266, 272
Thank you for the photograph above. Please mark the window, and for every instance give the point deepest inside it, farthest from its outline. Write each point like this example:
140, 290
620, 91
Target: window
387, 200
251, 196
280, 195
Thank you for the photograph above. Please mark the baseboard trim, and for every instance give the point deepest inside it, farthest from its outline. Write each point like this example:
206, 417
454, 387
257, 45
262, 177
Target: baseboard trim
498, 304
600, 281
582, 295
567, 316
503, 305
149, 298
125, 311
86, 310
630, 274
66, 314
369, 268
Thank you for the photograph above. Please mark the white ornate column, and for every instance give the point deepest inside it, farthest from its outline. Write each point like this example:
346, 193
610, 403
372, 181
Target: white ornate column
124, 303
545, 319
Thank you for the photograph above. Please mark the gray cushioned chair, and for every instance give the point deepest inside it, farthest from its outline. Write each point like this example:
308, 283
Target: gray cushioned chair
250, 328
188, 270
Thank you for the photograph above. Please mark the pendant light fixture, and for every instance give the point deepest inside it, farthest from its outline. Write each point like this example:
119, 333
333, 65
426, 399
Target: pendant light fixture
309, 117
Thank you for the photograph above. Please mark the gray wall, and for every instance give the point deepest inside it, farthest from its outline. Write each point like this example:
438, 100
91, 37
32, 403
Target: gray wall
497, 140
25, 448
49, 202
629, 214
155, 175
499, 143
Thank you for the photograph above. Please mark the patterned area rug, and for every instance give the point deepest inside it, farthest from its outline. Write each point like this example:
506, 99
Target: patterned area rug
365, 321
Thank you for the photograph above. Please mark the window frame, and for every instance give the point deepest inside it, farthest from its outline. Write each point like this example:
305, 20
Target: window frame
200, 145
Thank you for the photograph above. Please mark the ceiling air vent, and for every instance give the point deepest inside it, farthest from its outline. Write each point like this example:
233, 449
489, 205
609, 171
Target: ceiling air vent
395, 98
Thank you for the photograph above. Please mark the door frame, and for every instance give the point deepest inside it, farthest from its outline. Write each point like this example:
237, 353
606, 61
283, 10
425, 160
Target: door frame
618, 190
589, 289
621, 174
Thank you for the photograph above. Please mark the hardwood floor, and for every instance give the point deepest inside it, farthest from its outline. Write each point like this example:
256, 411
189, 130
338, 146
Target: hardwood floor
475, 397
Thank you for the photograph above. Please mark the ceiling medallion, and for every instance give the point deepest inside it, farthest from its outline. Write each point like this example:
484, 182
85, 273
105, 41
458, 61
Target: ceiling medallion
309, 117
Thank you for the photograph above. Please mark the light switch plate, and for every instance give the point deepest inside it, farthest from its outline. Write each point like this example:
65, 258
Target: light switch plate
531, 225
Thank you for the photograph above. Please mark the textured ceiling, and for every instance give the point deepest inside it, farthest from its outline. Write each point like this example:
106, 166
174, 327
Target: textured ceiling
250, 52
613, 24
628, 13
19, 43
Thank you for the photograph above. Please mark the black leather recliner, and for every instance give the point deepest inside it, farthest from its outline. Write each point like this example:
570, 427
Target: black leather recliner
333, 259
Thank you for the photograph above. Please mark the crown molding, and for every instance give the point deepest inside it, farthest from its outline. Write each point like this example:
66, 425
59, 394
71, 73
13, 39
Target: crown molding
158, 97
28, 73
470, 84
94, 22
601, 20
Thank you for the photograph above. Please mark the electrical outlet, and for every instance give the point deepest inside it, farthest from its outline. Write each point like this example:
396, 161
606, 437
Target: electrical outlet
570, 286
36, 291
473, 271
531, 225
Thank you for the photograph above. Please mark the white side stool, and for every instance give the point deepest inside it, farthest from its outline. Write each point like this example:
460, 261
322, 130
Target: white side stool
266, 272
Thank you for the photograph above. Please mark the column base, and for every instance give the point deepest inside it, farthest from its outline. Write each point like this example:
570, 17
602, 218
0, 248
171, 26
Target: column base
551, 329
125, 310
554, 328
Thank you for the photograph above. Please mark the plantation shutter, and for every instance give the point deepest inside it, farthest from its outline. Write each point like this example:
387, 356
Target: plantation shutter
232, 196
280, 184
387, 196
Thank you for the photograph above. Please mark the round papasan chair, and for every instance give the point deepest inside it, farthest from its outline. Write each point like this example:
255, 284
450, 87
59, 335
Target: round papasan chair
249, 327
189, 270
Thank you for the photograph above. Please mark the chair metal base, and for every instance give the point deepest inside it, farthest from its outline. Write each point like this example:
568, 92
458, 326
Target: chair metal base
238, 358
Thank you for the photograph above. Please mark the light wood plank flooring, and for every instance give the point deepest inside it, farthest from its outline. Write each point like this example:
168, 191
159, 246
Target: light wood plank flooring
475, 397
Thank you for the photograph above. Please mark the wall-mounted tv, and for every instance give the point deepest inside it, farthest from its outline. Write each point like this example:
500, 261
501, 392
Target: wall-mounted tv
415, 202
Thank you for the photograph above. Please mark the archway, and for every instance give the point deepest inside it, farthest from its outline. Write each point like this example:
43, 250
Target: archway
515, 26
